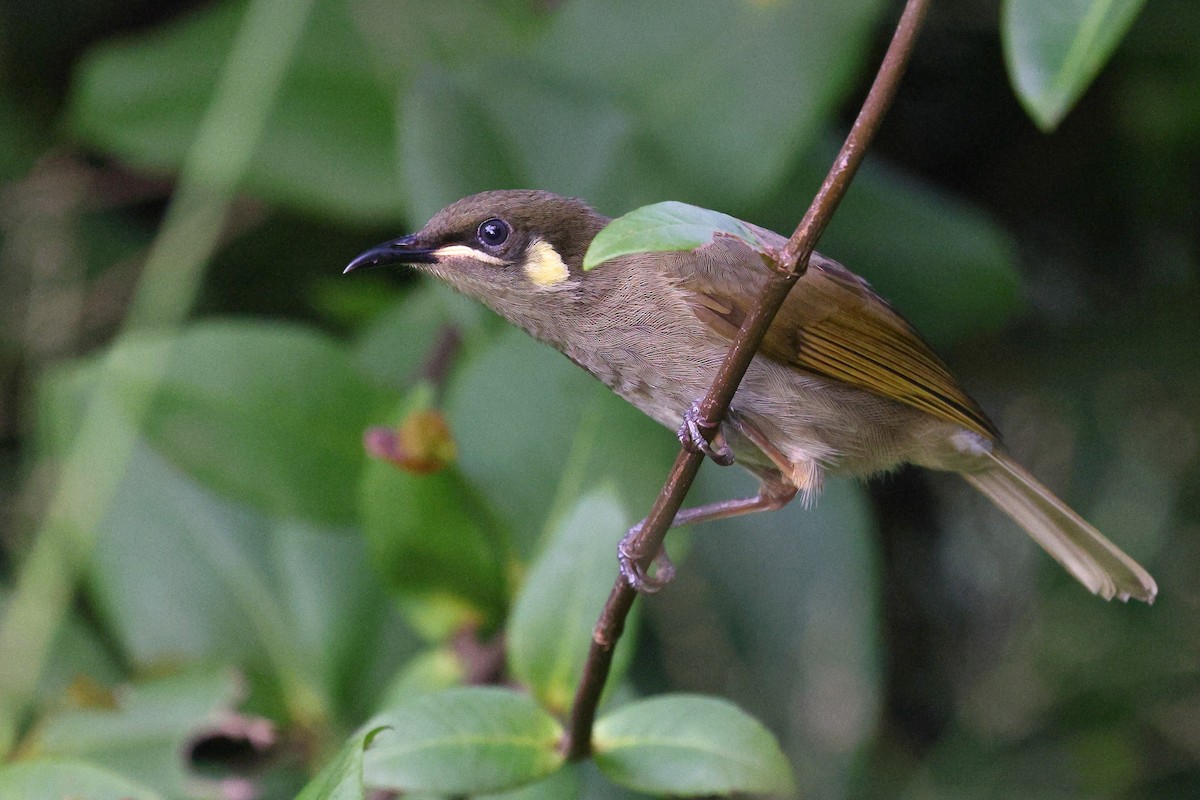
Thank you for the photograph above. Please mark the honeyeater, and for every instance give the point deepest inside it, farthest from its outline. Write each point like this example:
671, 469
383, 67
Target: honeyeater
842, 384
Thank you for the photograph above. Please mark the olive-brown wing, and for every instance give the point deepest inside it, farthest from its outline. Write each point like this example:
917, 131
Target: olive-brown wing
833, 324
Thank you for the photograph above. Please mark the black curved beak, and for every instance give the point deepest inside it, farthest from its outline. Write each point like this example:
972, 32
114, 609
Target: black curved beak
404, 250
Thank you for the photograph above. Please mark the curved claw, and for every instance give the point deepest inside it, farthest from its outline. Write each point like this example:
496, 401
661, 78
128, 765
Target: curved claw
638, 578
692, 437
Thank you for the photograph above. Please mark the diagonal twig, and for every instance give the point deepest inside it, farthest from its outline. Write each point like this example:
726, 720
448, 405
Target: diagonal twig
790, 265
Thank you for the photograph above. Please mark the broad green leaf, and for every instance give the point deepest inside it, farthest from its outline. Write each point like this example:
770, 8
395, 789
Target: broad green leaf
264, 414
534, 432
146, 735
181, 573
449, 148
725, 117
942, 262
464, 741
328, 146
178, 573
583, 145
409, 34
433, 544
342, 778
54, 779
788, 602
550, 628
595, 786
561, 785
1054, 50
514, 407
669, 225
568, 107
80, 653
458, 136
425, 673
945, 265
689, 745
394, 347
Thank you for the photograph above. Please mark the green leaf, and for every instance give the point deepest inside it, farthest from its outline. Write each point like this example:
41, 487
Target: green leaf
408, 34
725, 118
395, 345
329, 142
265, 414
534, 431
561, 785
583, 145
1054, 50
80, 652
791, 620
216, 581
431, 671
944, 264
550, 628
595, 786
689, 745
578, 115
670, 225
458, 137
342, 778
147, 734
53, 779
432, 544
464, 741
179, 572
449, 146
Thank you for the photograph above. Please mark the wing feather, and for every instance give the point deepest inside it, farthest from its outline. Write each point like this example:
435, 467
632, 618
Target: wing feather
834, 325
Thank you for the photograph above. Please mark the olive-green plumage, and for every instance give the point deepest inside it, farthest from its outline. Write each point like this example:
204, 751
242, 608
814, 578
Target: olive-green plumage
841, 384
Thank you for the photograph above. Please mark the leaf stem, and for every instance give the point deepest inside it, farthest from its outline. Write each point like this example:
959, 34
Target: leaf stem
789, 266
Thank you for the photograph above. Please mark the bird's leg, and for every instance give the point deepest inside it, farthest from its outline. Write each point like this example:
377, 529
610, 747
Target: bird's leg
691, 436
776, 488
806, 474
774, 492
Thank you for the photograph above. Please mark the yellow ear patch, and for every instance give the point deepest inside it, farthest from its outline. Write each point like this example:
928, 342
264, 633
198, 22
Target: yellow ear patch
543, 265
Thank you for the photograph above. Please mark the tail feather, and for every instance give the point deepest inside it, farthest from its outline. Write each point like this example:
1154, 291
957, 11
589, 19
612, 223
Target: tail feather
1081, 549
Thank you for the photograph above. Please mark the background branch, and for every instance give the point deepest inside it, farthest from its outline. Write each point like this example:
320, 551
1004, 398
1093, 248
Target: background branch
790, 266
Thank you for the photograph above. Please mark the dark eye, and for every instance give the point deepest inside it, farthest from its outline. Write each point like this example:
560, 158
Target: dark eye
493, 232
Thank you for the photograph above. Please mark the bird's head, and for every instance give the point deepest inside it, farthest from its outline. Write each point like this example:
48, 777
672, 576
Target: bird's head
515, 250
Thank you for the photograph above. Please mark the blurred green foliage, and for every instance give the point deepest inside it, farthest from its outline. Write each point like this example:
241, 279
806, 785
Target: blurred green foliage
255, 589
1055, 50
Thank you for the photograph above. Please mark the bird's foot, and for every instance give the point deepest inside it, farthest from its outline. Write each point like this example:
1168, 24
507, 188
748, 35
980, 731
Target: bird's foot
637, 576
691, 435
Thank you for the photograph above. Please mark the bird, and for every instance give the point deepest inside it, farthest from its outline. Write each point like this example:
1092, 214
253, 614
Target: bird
842, 384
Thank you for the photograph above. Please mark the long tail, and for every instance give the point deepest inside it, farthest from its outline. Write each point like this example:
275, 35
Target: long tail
1081, 549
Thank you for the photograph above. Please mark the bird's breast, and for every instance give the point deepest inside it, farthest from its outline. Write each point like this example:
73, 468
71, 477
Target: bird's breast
659, 365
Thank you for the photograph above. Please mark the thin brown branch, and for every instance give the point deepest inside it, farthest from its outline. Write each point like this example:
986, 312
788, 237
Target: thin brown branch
789, 267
